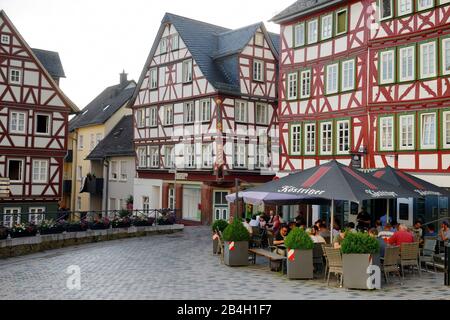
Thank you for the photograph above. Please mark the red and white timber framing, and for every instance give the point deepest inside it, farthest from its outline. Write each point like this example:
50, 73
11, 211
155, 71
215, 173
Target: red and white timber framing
36, 93
366, 35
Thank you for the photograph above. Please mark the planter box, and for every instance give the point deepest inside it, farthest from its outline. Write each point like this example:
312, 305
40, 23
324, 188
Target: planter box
302, 265
237, 257
355, 270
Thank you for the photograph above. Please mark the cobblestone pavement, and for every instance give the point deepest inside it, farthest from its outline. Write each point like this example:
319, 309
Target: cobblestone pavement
177, 266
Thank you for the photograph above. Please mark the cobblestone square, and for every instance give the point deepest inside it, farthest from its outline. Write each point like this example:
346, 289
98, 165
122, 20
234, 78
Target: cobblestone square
178, 266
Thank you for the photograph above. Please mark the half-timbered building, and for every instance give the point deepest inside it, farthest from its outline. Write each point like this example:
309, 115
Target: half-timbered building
205, 105
366, 82
33, 128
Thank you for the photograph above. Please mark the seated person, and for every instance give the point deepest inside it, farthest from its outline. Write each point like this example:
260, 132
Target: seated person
315, 236
374, 233
254, 222
262, 222
401, 236
351, 227
387, 232
323, 230
337, 241
430, 231
444, 234
247, 226
281, 235
292, 225
384, 220
417, 229
378, 226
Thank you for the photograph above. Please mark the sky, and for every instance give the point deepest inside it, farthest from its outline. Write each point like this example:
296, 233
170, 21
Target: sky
97, 39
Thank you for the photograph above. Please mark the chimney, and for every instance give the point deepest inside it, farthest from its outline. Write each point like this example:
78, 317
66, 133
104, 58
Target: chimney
123, 77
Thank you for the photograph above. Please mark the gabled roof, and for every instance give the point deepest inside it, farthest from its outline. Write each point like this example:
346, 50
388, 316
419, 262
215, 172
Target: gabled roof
119, 142
208, 45
303, 7
51, 61
104, 105
69, 102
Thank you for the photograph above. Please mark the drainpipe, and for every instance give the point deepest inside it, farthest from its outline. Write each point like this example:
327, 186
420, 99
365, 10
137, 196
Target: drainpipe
106, 164
74, 173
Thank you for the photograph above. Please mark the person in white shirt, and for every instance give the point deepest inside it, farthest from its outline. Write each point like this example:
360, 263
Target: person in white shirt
315, 236
254, 222
247, 226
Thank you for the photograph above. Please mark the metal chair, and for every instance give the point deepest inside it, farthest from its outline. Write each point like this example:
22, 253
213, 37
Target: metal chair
390, 262
256, 240
334, 264
409, 257
428, 253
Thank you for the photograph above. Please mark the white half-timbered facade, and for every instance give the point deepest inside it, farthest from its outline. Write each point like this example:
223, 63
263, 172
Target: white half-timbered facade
207, 105
33, 126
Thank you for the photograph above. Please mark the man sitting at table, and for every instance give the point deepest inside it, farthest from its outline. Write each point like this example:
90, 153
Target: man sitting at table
254, 222
444, 235
401, 236
279, 239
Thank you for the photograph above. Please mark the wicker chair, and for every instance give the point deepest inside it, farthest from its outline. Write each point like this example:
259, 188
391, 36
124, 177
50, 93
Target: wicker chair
409, 257
428, 252
334, 264
390, 262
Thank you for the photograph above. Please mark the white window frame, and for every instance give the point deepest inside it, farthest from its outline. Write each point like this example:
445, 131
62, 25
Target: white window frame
259, 39
189, 112
422, 131
384, 141
336, 75
80, 142
299, 29
443, 1
310, 137
315, 34
49, 124
381, 4
79, 173
261, 155
420, 7
17, 115
445, 129
240, 155
189, 156
169, 156
92, 142
114, 171
36, 214
410, 131
168, 115
261, 119
142, 157
15, 76
113, 204
79, 204
187, 71
20, 171
401, 57
445, 43
171, 198
163, 45
146, 204
175, 42
153, 78
305, 83
207, 155
14, 217
123, 170
328, 18
41, 173
205, 110
292, 86
399, 7
153, 117
421, 60
153, 154
340, 147
295, 139
383, 79
241, 111
5, 39
258, 70
350, 74
326, 138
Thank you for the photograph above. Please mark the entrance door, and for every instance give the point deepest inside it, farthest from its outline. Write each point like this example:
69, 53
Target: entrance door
191, 204
221, 208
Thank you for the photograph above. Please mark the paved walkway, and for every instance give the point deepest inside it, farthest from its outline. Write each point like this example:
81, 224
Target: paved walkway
178, 266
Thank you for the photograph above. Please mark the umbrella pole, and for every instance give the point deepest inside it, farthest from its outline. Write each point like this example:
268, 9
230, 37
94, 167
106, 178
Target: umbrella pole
332, 221
388, 211
307, 214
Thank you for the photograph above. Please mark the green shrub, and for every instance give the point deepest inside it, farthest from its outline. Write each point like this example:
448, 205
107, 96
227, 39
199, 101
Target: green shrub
219, 225
360, 242
236, 232
298, 239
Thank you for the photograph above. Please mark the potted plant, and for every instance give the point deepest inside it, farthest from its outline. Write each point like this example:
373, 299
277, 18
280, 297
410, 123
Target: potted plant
22, 230
167, 219
236, 238
358, 250
300, 254
121, 223
3, 233
51, 227
218, 225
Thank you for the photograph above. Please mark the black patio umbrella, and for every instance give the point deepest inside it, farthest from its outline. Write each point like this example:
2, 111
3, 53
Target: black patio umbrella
409, 182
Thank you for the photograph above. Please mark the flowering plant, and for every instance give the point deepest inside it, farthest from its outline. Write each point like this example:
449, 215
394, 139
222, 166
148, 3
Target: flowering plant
77, 226
143, 221
100, 224
51, 227
23, 230
121, 222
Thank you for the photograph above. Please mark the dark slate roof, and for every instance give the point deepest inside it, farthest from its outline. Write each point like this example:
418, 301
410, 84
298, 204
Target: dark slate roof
96, 112
119, 142
51, 61
302, 7
211, 47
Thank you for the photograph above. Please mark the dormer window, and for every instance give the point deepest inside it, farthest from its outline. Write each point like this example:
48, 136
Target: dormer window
259, 39
5, 39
